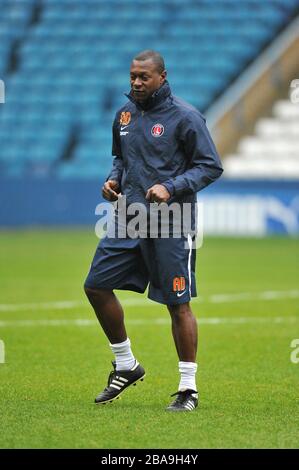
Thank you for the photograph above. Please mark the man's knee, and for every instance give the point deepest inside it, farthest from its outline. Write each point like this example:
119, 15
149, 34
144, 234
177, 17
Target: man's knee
89, 291
179, 310
97, 294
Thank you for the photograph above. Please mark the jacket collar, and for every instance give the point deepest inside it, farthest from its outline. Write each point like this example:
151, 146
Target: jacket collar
157, 97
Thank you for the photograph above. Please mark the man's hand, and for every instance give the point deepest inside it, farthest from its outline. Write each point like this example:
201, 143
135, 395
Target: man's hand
157, 193
110, 190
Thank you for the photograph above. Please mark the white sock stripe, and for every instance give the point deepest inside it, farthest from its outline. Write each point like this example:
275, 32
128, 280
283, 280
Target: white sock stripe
188, 371
121, 346
124, 357
187, 366
115, 386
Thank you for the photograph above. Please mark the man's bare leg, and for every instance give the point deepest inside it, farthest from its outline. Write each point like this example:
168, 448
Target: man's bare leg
184, 331
109, 312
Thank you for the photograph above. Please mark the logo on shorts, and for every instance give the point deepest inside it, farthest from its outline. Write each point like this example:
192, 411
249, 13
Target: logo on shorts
179, 284
125, 118
157, 130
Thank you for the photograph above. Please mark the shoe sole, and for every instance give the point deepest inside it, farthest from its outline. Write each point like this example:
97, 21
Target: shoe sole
180, 410
118, 396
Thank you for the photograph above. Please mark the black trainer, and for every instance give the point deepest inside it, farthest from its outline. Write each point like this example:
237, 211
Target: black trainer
185, 401
118, 381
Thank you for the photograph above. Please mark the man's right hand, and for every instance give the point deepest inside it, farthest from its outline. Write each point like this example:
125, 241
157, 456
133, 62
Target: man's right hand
111, 190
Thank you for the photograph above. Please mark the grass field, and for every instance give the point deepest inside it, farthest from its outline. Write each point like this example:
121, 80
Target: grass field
57, 358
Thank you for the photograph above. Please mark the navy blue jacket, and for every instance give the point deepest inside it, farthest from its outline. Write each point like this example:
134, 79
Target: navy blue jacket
164, 142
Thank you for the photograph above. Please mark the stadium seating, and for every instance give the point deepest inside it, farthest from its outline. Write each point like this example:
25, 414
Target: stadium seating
65, 66
273, 152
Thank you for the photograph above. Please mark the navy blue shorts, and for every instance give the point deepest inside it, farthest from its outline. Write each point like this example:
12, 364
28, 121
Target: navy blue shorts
166, 264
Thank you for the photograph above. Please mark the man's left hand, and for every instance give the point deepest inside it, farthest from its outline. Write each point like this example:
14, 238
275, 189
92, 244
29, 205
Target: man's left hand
157, 193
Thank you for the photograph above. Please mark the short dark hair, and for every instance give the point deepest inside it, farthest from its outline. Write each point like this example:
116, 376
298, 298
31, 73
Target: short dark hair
154, 56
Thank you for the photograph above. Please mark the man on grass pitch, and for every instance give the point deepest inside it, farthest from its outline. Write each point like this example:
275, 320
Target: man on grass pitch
163, 154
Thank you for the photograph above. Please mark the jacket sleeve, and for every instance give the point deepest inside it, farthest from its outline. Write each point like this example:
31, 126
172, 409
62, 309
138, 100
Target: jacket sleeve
204, 162
117, 165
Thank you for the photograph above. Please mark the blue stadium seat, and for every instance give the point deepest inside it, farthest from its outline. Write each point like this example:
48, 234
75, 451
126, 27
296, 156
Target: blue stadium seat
73, 68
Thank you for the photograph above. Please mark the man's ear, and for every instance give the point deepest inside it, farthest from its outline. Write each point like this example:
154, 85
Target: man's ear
163, 76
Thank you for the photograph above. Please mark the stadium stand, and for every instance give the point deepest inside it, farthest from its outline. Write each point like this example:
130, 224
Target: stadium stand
273, 152
65, 66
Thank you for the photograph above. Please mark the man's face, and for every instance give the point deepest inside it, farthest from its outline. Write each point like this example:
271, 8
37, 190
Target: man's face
145, 79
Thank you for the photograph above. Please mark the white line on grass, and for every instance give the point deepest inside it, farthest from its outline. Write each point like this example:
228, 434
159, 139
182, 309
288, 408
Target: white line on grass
61, 305
154, 321
216, 298
266, 295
